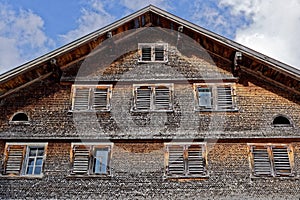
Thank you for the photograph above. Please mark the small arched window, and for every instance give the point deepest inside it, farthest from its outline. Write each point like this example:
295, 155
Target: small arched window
20, 117
281, 121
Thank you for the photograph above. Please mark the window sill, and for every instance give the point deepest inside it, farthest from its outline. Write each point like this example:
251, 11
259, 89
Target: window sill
211, 110
19, 123
186, 178
158, 61
88, 111
21, 176
291, 177
150, 111
77, 176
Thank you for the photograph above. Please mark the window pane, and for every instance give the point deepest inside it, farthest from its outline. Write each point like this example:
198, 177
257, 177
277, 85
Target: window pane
40, 152
31, 162
100, 161
32, 152
29, 170
205, 97
39, 161
38, 170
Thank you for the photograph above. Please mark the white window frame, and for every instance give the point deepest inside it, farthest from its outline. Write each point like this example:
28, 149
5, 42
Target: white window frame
91, 148
185, 147
153, 107
152, 46
90, 99
271, 159
213, 87
24, 158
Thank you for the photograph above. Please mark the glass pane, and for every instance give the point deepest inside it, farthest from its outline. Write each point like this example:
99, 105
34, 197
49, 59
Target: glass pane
32, 152
38, 170
40, 152
29, 170
31, 162
100, 161
205, 97
39, 161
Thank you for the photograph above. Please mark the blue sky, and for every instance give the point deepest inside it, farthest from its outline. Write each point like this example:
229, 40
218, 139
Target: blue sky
31, 28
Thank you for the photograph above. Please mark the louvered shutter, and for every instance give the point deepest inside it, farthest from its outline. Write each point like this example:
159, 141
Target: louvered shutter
205, 97
15, 157
176, 161
100, 99
224, 98
162, 98
159, 53
146, 53
81, 99
282, 166
143, 98
81, 159
196, 162
261, 161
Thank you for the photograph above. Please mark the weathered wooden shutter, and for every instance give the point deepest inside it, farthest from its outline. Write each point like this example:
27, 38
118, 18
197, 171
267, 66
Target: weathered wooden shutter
162, 98
176, 164
81, 159
261, 161
100, 100
159, 53
81, 99
282, 166
205, 97
143, 98
146, 53
14, 159
196, 162
224, 98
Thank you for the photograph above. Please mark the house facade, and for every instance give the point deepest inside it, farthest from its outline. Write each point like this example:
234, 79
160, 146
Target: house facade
150, 107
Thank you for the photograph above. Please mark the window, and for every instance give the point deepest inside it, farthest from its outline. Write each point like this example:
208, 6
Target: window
19, 118
281, 121
271, 160
215, 97
185, 160
91, 97
153, 52
24, 159
153, 97
91, 159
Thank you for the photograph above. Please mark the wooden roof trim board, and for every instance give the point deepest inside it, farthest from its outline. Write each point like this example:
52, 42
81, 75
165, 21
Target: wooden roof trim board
45, 59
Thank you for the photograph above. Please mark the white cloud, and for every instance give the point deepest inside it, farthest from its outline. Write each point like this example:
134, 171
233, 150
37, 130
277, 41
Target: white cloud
93, 17
21, 37
274, 29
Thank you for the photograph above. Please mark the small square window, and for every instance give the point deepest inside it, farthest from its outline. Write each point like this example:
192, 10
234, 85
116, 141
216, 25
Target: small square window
185, 160
153, 52
274, 160
91, 97
215, 97
91, 159
153, 97
24, 159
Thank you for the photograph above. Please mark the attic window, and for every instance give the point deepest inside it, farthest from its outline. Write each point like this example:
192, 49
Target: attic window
281, 121
153, 52
20, 117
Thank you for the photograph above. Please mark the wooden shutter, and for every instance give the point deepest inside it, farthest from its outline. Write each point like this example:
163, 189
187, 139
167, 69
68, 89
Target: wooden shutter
159, 53
261, 161
146, 53
15, 156
143, 98
81, 159
100, 100
205, 97
224, 98
81, 99
196, 161
282, 166
176, 161
162, 98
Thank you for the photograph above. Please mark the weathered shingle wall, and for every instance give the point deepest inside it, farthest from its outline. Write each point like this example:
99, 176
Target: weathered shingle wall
137, 172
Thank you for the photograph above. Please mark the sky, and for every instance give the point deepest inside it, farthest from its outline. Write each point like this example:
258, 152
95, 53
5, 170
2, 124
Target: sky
32, 28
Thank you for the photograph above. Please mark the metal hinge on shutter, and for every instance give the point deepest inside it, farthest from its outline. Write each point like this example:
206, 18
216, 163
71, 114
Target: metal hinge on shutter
261, 161
282, 166
176, 161
81, 160
196, 162
14, 160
